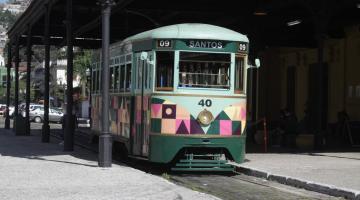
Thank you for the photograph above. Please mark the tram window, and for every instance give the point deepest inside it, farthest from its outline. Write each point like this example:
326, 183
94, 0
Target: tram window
239, 75
164, 70
97, 80
112, 78
204, 70
122, 59
116, 77
93, 80
122, 77
128, 77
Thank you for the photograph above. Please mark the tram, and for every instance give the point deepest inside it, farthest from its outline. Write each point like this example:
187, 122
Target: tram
178, 95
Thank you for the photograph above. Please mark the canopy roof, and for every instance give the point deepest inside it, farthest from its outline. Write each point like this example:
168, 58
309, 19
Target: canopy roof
264, 22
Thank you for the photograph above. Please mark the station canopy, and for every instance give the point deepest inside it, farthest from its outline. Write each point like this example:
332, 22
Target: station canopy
267, 23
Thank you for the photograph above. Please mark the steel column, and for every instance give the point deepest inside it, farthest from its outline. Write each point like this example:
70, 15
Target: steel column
8, 87
69, 118
46, 128
28, 73
16, 101
105, 139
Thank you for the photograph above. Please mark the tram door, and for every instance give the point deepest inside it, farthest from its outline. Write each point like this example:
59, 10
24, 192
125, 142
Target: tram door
141, 122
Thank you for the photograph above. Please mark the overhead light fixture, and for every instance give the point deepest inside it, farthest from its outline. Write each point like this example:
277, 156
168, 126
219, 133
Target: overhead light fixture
358, 5
260, 12
293, 23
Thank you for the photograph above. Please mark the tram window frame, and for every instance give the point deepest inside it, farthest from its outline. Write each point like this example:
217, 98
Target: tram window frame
128, 78
116, 77
93, 80
122, 77
169, 67
239, 79
205, 70
98, 77
111, 78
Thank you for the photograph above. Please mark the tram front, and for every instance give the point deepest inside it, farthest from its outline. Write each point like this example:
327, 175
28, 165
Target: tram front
198, 106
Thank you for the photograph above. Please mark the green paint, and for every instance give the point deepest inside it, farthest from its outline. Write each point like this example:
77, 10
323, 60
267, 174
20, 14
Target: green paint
214, 128
155, 125
163, 148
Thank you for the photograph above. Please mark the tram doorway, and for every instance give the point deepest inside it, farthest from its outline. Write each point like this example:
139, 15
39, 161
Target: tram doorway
143, 87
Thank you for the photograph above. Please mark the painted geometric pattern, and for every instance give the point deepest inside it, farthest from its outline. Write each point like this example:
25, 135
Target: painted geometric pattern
119, 116
230, 121
95, 113
169, 118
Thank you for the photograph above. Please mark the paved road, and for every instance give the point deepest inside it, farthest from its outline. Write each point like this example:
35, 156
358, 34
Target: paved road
227, 187
242, 187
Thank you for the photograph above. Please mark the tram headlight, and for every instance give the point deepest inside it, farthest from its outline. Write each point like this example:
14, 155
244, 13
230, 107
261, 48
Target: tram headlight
205, 117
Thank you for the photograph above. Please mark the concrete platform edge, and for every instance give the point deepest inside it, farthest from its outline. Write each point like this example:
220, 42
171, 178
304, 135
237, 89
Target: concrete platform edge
295, 182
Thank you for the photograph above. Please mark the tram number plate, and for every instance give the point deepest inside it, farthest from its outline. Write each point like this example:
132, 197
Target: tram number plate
164, 43
205, 102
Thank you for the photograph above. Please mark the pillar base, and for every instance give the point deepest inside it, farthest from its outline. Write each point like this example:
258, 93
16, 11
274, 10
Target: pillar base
45, 136
105, 150
7, 123
68, 133
19, 126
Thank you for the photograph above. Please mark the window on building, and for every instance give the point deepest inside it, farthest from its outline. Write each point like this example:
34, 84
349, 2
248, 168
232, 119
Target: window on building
204, 70
164, 70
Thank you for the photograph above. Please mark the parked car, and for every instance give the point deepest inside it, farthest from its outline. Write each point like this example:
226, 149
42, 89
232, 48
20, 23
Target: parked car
32, 106
11, 111
37, 115
2, 109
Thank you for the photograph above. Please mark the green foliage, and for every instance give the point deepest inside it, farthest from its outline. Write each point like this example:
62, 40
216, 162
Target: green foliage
7, 19
82, 62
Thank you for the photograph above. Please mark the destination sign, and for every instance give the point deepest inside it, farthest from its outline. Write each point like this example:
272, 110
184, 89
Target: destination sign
205, 44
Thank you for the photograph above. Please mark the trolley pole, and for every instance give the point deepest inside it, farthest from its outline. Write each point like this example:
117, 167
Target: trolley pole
105, 139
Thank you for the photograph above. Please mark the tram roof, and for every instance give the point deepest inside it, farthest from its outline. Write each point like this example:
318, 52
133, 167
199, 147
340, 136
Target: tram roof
191, 31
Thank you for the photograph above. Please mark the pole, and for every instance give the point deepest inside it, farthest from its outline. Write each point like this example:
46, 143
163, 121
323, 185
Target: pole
105, 139
8, 87
16, 110
28, 73
46, 128
69, 118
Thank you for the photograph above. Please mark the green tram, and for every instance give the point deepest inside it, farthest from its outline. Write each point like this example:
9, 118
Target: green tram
177, 95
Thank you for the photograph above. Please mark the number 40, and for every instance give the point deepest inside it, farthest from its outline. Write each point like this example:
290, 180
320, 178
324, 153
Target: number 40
205, 102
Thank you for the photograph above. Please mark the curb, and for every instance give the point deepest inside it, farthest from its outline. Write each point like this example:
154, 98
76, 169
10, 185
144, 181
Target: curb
308, 185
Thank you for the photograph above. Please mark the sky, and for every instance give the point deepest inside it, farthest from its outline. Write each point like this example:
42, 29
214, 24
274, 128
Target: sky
2, 1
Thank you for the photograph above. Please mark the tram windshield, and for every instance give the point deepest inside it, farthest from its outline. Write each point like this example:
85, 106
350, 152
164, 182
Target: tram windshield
204, 70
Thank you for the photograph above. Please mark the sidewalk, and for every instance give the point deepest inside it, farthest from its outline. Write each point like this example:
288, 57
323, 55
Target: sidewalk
30, 169
336, 174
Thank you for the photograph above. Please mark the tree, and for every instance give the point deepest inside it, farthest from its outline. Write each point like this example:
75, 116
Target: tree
82, 62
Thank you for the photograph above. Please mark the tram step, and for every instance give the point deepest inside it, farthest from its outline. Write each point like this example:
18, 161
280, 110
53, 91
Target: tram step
203, 169
203, 161
202, 165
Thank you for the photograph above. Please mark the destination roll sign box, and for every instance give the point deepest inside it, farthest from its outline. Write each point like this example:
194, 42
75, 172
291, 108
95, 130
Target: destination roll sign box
205, 44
